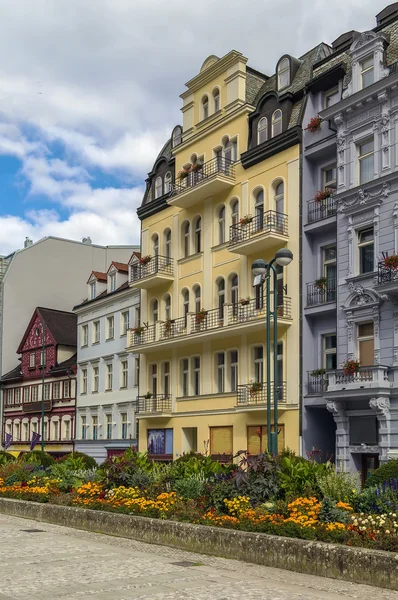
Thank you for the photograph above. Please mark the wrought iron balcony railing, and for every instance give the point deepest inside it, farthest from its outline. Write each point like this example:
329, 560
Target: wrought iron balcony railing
145, 336
256, 393
268, 222
386, 274
253, 308
207, 170
151, 265
173, 328
207, 319
322, 209
317, 384
158, 403
321, 292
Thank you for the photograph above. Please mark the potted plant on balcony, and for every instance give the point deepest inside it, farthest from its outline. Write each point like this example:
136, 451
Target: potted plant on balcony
323, 195
351, 366
321, 284
318, 372
314, 124
391, 262
148, 395
200, 316
138, 330
255, 387
144, 260
245, 220
198, 166
168, 324
244, 301
183, 174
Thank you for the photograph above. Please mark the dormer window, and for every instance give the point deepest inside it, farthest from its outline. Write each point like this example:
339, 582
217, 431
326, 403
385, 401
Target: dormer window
158, 187
167, 182
262, 130
277, 123
177, 136
205, 107
112, 282
367, 71
93, 290
283, 74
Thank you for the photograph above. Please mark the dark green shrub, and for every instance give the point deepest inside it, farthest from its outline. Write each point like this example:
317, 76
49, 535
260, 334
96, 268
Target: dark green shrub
329, 513
257, 477
37, 456
6, 457
385, 472
88, 461
216, 491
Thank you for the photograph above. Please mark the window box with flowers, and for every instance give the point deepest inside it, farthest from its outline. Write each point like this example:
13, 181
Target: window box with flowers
168, 324
321, 284
144, 260
148, 395
255, 387
391, 262
318, 372
198, 166
245, 220
244, 301
138, 330
314, 124
183, 174
323, 195
351, 366
200, 316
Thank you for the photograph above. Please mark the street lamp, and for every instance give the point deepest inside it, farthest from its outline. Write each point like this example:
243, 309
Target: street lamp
261, 270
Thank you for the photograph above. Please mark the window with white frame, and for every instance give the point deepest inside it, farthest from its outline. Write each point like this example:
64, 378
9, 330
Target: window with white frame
221, 224
94, 424
367, 71
96, 332
155, 310
366, 343
283, 73
258, 364
56, 390
167, 307
331, 97
205, 107
198, 234
276, 123
32, 360
329, 270
108, 422
35, 393
220, 372
234, 290
112, 282
158, 187
167, 182
66, 429
366, 161
259, 209
198, 299
66, 389
329, 177
26, 394
155, 244
167, 243
95, 388
9, 428
221, 297
45, 434
123, 421
109, 376
84, 335
185, 305
84, 381
184, 366
262, 130
17, 397
166, 378
56, 430
136, 370
93, 290
124, 365
234, 212
8, 397
177, 136
137, 316
125, 322
233, 370
25, 434
186, 239
110, 328
195, 361
366, 250
279, 198
42, 356
216, 99
17, 431
329, 351
153, 376
83, 427
47, 391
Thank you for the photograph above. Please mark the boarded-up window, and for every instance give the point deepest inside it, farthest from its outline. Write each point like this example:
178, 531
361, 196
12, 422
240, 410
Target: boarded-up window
256, 443
221, 440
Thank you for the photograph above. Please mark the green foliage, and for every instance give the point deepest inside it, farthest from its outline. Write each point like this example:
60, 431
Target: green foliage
329, 513
190, 487
38, 457
298, 477
257, 477
6, 457
376, 500
338, 486
216, 491
196, 464
120, 470
388, 470
17, 471
86, 462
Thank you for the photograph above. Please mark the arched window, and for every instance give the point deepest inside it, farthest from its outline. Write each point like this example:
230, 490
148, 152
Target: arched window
205, 107
177, 136
277, 123
198, 234
259, 210
234, 290
155, 310
186, 232
198, 299
216, 100
167, 182
221, 297
283, 73
228, 151
167, 307
167, 243
158, 187
234, 212
279, 197
185, 305
262, 130
155, 244
221, 225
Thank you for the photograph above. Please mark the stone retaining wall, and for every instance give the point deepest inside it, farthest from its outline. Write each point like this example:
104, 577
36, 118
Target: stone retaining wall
371, 567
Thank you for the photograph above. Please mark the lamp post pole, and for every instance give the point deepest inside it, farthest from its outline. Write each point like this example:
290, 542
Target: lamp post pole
42, 384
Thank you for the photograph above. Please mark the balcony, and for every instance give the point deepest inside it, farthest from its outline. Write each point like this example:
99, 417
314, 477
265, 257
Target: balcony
159, 404
259, 233
151, 271
232, 319
317, 384
388, 278
213, 177
320, 292
367, 380
321, 215
255, 394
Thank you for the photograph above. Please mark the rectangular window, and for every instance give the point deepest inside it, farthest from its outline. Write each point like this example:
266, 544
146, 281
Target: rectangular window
125, 322
17, 398
25, 432
363, 430
83, 425
108, 427
93, 288
366, 250
32, 360
221, 441
136, 370
26, 394
329, 351
84, 335
84, 381
329, 177
329, 271
96, 332
233, 370
109, 376
366, 161
112, 282
47, 391
94, 423
365, 339
257, 438
45, 430
17, 428
56, 430
281, 374
8, 397
196, 375
66, 389
367, 72
95, 379
56, 390
153, 370
160, 441
110, 328
259, 364
67, 430
331, 97
35, 393
42, 362
220, 364
125, 373
137, 316
166, 378
123, 418
185, 377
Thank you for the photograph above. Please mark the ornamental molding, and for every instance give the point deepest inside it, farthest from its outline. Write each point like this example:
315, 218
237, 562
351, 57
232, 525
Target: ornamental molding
334, 408
361, 297
364, 449
380, 405
364, 198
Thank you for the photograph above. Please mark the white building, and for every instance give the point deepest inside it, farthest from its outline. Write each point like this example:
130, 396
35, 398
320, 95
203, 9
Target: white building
107, 375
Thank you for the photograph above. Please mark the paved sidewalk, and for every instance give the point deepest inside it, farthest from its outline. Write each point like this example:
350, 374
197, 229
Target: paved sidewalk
58, 563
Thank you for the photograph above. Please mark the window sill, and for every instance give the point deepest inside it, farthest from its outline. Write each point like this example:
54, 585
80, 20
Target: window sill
361, 276
123, 335
84, 346
95, 392
124, 387
109, 390
83, 393
186, 259
109, 339
95, 343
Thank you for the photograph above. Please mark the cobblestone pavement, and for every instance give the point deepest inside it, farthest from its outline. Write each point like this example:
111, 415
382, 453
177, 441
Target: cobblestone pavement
58, 563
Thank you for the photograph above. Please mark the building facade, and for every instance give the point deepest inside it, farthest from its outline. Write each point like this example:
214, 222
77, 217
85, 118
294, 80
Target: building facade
107, 374
44, 379
350, 318
224, 191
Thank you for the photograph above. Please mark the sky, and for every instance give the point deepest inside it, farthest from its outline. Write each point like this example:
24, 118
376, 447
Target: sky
89, 93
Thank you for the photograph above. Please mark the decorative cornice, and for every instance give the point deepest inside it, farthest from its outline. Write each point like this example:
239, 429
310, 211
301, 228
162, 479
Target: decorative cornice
363, 198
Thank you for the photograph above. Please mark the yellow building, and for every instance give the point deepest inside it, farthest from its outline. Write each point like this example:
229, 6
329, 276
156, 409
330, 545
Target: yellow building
223, 192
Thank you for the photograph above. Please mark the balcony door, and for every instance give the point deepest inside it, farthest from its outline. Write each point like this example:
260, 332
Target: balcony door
365, 339
330, 272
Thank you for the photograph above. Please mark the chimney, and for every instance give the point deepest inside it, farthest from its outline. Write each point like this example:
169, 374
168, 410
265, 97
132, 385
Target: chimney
28, 242
87, 240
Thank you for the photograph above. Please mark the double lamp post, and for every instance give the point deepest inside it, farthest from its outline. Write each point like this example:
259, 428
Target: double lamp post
262, 274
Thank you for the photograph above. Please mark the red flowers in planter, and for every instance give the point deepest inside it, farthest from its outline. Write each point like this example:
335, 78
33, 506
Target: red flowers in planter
144, 260
314, 124
200, 316
391, 262
245, 220
322, 195
351, 366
